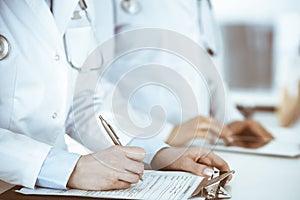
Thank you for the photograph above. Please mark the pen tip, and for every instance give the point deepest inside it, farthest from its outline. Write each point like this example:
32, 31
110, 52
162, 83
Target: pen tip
100, 116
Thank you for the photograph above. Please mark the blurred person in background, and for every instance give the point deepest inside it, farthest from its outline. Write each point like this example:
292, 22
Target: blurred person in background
288, 55
194, 19
289, 108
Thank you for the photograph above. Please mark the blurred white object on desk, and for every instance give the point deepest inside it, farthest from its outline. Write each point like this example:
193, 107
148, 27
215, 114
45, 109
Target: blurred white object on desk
287, 33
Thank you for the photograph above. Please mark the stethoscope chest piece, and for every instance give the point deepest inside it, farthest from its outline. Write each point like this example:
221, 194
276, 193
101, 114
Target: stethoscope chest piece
131, 6
4, 47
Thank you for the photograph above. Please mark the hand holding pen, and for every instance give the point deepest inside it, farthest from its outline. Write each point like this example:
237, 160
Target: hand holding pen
112, 134
116, 167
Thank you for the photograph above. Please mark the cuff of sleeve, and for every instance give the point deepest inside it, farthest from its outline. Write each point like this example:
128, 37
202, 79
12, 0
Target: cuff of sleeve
57, 169
152, 146
164, 134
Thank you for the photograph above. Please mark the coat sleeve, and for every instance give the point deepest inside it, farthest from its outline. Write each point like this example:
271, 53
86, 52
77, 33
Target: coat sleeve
85, 127
21, 158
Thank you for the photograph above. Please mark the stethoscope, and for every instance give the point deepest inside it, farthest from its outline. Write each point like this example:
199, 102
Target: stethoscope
4, 47
129, 6
133, 7
78, 15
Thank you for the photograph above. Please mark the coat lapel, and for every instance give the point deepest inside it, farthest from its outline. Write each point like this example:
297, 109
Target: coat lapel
53, 25
63, 11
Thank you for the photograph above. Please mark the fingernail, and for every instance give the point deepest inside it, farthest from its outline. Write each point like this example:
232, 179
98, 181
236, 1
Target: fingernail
230, 140
208, 172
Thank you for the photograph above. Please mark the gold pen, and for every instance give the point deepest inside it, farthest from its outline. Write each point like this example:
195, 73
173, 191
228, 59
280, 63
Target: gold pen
111, 132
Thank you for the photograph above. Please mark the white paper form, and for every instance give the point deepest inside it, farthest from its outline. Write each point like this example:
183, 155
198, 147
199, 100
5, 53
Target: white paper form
156, 185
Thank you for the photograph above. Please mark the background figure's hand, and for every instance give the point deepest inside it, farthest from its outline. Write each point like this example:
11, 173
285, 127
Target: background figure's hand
198, 127
289, 108
194, 159
114, 168
247, 133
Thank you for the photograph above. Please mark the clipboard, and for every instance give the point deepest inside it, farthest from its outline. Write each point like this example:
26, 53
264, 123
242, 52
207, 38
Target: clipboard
213, 187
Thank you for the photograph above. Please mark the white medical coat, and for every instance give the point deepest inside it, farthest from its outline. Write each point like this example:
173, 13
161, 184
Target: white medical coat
36, 83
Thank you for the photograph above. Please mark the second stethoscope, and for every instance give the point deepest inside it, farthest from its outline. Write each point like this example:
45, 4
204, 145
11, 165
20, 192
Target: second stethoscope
207, 25
78, 15
211, 45
129, 6
133, 7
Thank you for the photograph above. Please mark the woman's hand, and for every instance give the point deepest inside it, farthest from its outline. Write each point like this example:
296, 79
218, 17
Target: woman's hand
198, 127
114, 168
196, 160
247, 134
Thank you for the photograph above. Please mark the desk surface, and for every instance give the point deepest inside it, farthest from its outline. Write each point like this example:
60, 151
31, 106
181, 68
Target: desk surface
4, 186
259, 177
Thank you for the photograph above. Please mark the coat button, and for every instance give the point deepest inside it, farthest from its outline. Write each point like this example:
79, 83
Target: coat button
4, 47
54, 115
56, 57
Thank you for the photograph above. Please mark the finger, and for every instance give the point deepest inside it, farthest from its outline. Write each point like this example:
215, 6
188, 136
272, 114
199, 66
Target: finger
219, 128
202, 122
108, 185
135, 167
258, 130
122, 185
197, 168
218, 163
128, 177
217, 132
213, 126
202, 128
135, 153
237, 143
235, 128
206, 135
205, 123
207, 126
251, 144
205, 160
118, 185
215, 161
255, 145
